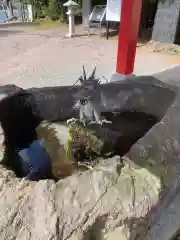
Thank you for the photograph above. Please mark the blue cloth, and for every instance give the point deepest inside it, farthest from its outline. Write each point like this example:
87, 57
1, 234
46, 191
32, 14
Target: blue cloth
35, 161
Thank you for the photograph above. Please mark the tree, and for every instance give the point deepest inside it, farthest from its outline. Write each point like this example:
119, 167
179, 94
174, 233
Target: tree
53, 10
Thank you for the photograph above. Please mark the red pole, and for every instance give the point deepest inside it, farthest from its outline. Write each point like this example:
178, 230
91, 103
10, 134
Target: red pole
128, 34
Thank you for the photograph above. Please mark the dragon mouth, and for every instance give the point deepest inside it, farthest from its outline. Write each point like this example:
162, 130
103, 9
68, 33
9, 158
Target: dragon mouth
84, 101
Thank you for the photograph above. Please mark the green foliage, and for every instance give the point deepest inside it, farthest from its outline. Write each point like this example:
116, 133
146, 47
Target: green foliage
53, 10
63, 11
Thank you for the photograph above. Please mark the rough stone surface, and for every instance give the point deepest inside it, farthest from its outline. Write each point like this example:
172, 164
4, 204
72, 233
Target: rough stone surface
103, 203
96, 202
108, 202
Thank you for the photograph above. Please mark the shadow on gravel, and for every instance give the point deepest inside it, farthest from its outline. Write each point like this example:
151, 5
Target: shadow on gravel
17, 24
4, 33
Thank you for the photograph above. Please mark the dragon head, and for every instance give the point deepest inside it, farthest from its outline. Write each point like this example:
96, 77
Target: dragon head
89, 86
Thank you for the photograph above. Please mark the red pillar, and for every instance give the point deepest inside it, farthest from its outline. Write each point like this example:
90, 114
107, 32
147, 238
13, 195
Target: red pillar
128, 33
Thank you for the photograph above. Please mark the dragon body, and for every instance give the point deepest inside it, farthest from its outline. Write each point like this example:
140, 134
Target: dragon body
89, 100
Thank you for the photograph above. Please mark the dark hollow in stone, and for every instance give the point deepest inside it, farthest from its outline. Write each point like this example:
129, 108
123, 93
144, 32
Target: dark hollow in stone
19, 123
131, 125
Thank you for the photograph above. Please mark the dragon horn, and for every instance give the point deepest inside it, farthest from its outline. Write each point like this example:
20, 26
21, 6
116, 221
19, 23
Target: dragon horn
84, 73
81, 80
93, 74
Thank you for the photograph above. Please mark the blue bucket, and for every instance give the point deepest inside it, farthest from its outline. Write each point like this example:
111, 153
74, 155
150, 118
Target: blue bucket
35, 161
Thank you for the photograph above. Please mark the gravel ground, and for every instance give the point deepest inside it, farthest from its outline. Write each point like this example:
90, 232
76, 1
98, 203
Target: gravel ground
38, 58
31, 57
